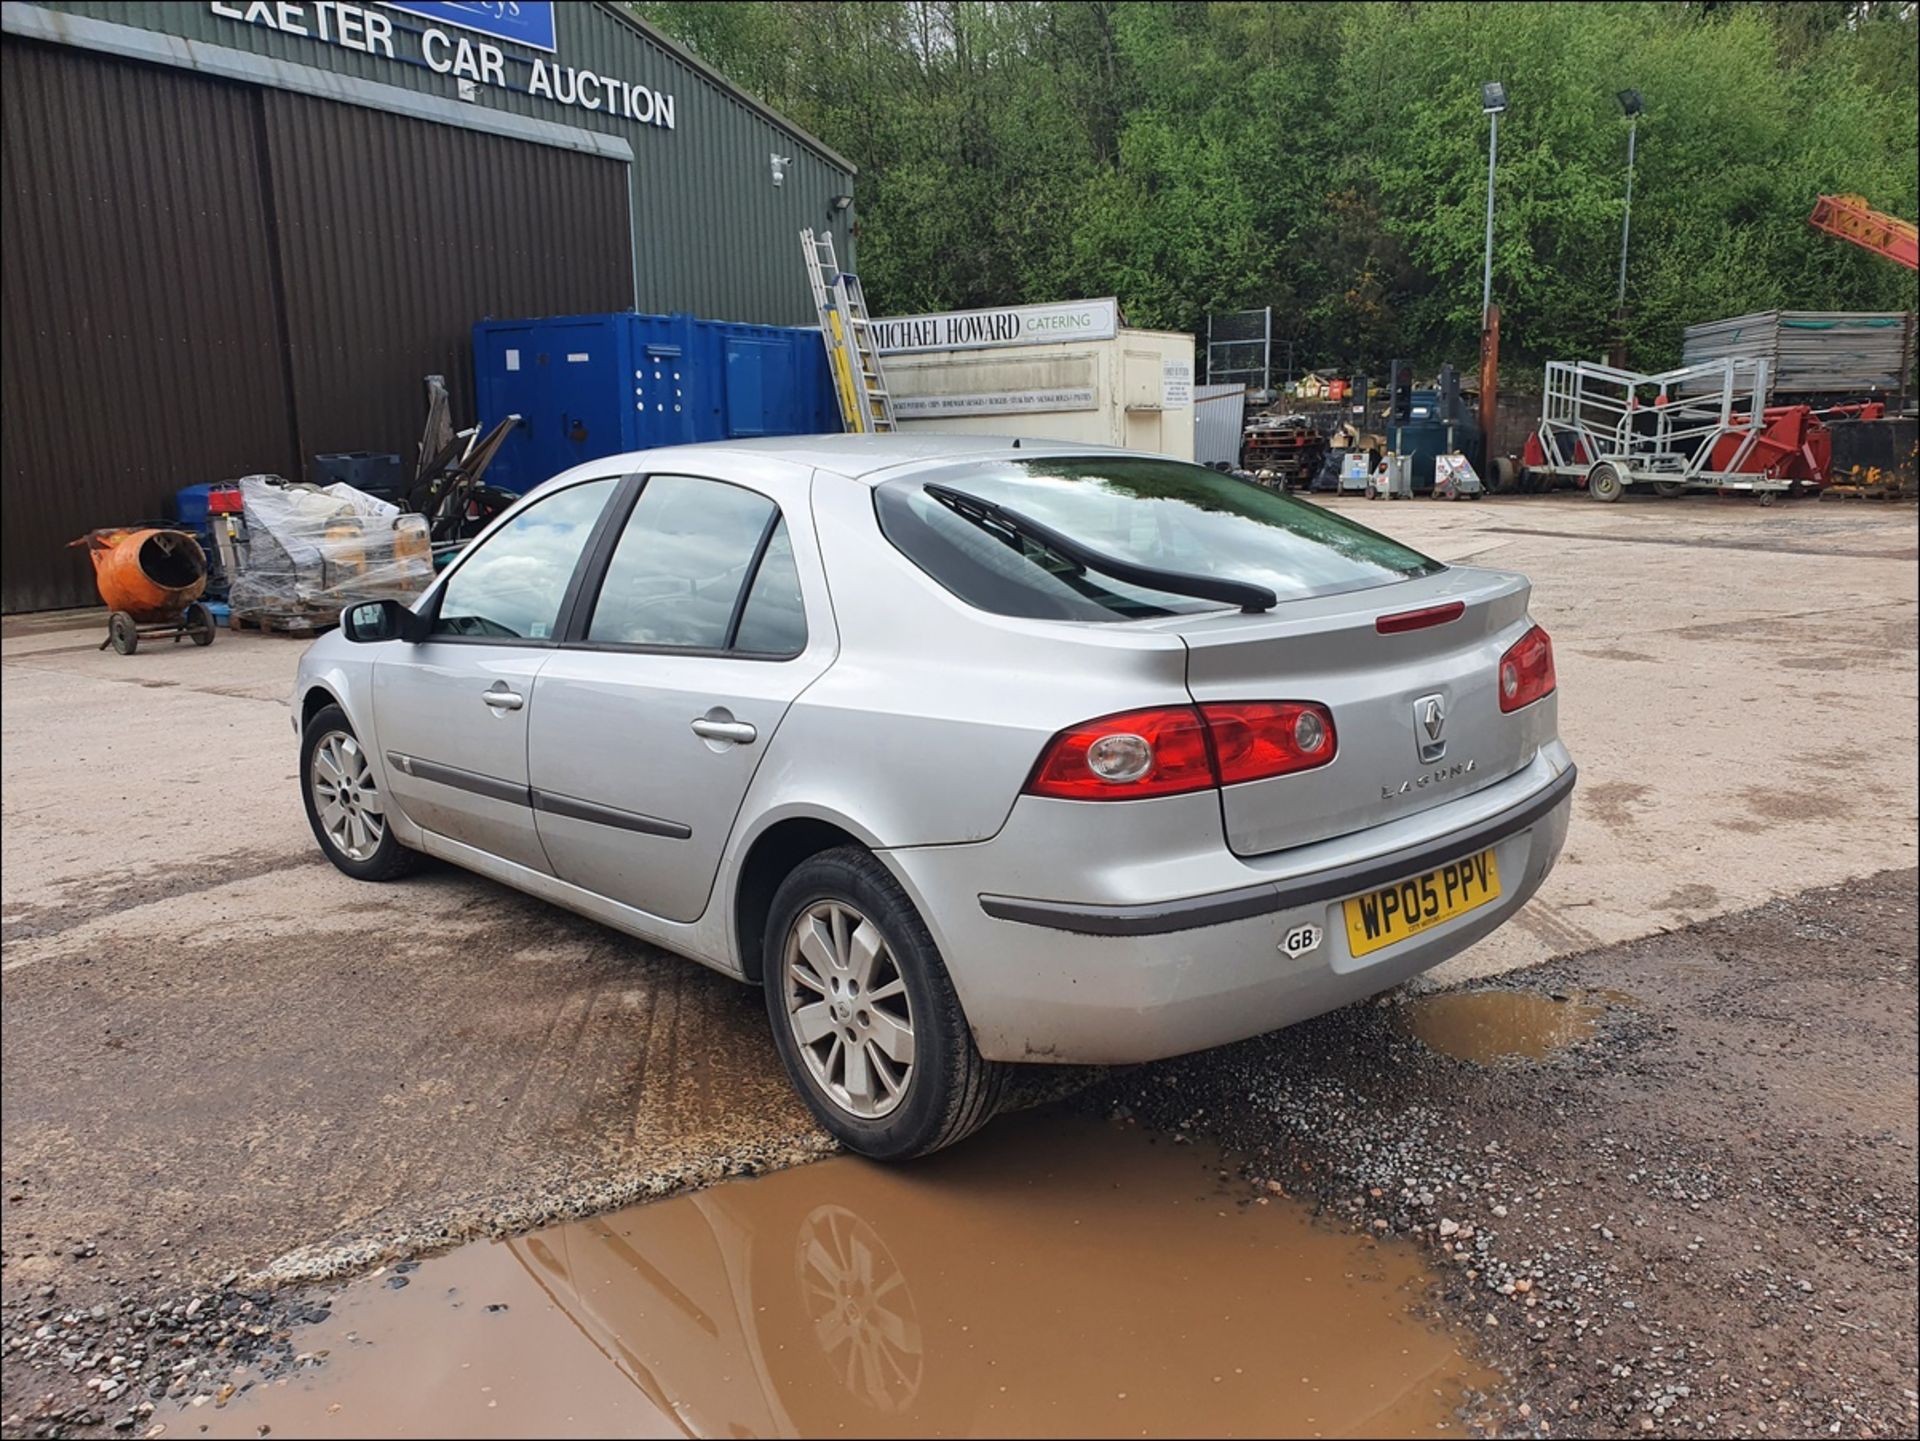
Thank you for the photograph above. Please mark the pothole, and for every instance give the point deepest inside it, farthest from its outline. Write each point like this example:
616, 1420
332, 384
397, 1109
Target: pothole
1057, 1274
1489, 1027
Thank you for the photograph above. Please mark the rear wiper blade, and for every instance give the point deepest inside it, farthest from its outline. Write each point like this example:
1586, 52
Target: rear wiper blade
1250, 598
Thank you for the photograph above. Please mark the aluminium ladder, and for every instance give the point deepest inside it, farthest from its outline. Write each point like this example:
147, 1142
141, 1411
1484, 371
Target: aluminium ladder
865, 406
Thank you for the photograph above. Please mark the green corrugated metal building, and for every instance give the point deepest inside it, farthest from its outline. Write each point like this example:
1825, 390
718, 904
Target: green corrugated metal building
238, 233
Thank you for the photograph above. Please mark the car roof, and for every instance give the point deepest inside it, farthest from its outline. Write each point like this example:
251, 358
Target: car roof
862, 457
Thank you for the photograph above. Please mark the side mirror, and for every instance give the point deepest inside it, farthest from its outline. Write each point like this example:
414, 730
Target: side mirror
376, 620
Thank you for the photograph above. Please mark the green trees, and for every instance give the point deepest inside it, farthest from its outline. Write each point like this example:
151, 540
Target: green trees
1329, 159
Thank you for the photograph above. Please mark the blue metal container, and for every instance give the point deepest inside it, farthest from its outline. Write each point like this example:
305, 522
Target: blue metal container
587, 386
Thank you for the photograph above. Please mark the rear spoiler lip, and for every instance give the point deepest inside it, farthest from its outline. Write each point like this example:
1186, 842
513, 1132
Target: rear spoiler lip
1357, 607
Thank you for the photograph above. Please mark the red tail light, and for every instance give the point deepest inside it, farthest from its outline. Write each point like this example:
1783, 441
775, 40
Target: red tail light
1175, 749
1256, 739
1127, 757
1526, 671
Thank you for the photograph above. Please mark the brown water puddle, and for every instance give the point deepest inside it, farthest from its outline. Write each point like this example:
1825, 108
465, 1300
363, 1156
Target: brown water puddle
1487, 1027
1056, 1275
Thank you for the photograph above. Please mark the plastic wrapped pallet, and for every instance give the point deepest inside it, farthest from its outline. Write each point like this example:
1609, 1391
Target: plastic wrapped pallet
309, 552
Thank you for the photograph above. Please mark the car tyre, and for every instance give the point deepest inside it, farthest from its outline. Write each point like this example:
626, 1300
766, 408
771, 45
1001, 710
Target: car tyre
1604, 483
840, 922
354, 832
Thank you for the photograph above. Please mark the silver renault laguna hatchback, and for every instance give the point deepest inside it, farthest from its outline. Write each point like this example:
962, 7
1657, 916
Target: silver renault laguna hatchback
968, 752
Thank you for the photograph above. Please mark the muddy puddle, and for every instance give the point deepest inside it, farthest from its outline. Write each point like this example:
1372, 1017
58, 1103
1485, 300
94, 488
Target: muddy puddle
1488, 1027
1059, 1275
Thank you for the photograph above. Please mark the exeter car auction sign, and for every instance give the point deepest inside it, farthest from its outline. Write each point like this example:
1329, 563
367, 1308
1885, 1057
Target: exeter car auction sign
472, 59
1068, 321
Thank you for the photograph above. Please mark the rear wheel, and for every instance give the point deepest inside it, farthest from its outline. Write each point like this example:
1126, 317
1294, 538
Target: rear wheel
198, 624
1604, 483
124, 632
864, 1015
1669, 489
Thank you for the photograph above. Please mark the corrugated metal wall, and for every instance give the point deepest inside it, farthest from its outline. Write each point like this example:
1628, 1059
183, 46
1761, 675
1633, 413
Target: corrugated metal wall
203, 280
133, 258
714, 235
396, 235
1219, 417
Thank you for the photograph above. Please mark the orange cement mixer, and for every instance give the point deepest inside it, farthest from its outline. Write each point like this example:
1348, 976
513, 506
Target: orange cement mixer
152, 580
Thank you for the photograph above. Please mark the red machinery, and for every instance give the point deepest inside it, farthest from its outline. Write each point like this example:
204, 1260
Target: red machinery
1852, 219
1795, 445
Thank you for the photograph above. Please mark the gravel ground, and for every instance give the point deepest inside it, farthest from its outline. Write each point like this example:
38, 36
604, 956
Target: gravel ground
1701, 1221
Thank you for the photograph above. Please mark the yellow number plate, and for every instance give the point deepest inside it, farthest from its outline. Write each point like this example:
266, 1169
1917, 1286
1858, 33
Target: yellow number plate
1420, 903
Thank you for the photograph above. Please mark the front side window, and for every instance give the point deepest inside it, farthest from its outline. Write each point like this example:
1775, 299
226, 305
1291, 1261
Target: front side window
684, 562
511, 585
1162, 514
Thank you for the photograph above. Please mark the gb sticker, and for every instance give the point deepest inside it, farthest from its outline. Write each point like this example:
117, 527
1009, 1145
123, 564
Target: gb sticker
1300, 940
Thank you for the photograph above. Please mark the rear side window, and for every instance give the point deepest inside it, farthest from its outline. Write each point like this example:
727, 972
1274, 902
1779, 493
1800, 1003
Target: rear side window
1162, 514
774, 621
701, 565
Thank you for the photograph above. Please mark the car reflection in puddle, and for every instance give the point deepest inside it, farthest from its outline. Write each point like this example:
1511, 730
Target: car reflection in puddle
1057, 1275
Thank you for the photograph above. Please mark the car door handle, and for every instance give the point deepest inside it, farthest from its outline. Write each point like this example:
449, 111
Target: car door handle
503, 699
739, 732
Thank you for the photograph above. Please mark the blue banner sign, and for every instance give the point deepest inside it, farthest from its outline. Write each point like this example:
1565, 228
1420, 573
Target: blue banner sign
524, 22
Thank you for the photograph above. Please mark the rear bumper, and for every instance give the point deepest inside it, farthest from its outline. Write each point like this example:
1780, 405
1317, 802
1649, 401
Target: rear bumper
1111, 982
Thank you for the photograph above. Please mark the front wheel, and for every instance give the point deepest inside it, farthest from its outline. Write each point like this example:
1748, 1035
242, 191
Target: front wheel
1669, 489
344, 804
1604, 483
864, 1015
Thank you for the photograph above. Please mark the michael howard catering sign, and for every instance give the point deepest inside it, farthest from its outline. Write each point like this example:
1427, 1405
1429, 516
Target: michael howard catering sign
525, 22
1062, 323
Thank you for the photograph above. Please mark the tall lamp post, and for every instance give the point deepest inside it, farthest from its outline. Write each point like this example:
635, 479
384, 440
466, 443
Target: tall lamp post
1631, 106
1493, 101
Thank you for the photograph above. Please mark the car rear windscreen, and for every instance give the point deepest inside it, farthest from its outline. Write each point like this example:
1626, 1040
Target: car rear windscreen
1162, 514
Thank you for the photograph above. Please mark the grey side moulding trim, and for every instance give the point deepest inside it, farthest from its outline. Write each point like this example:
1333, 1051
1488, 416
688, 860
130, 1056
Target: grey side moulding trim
1191, 912
491, 787
607, 816
495, 789
156, 48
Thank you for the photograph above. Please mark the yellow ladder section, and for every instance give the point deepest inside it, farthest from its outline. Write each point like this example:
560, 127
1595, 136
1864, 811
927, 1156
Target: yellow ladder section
847, 330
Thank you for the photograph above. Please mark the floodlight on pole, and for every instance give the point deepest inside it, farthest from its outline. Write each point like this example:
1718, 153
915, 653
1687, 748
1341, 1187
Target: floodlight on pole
1493, 100
1631, 106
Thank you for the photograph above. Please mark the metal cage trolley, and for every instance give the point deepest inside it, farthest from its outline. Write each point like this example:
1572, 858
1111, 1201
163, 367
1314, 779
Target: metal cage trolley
1696, 428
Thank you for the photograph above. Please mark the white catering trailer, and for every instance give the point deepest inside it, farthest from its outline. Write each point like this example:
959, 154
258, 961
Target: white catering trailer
1067, 371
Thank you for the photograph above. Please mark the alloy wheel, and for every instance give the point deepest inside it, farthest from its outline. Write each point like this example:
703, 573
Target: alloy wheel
847, 1008
345, 797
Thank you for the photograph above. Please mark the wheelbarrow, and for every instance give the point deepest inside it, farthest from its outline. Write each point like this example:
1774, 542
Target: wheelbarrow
151, 580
